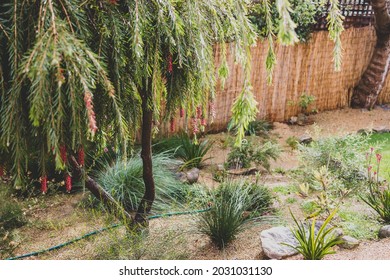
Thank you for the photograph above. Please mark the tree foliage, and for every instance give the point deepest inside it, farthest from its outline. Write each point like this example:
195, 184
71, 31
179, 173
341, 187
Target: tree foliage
73, 72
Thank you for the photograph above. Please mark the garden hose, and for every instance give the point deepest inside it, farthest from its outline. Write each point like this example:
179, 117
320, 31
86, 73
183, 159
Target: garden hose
101, 230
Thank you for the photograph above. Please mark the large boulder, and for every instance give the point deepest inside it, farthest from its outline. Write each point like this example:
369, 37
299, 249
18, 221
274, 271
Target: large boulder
272, 242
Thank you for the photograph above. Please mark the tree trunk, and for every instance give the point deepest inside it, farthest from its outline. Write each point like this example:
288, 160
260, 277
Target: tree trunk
146, 155
366, 93
101, 193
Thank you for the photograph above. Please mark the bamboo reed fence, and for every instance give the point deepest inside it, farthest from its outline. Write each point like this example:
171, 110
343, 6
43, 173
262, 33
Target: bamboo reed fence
303, 68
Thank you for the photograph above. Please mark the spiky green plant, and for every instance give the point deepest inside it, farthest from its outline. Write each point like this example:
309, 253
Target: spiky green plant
230, 204
193, 153
378, 198
314, 245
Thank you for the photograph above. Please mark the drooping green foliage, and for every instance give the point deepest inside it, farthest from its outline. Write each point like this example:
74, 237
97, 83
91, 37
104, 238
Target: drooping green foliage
73, 71
76, 71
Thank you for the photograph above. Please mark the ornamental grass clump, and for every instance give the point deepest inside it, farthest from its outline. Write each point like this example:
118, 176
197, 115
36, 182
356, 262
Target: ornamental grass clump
248, 153
313, 244
231, 206
124, 182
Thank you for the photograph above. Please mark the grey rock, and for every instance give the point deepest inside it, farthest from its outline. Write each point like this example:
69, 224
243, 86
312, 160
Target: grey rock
349, 242
181, 176
293, 120
272, 243
220, 167
384, 232
305, 139
338, 232
381, 129
193, 175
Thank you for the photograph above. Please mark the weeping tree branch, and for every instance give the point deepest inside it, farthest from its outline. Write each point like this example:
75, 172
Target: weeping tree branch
100, 193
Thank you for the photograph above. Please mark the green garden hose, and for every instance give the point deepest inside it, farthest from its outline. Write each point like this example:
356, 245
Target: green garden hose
101, 230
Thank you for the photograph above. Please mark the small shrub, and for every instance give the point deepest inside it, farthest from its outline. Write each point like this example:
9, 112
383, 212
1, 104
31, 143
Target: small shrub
312, 245
11, 214
230, 204
193, 153
242, 157
344, 158
291, 200
255, 128
292, 142
259, 128
305, 100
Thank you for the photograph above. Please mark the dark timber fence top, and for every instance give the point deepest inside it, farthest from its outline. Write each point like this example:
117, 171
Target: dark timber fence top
357, 13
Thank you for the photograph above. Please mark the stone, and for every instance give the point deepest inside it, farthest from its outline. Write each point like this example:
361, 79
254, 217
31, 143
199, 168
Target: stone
193, 175
349, 242
381, 129
305, 139
272, 243
384, 232
220, 167
293, 120
181, 176
302, 119
338, 232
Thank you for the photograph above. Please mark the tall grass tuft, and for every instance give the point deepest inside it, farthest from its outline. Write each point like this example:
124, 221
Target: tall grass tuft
123, 180
231, 203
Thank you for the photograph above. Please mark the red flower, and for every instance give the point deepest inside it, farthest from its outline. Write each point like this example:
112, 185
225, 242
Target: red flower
81, 156
198, 112
90, 112
181, 112
63, 154
68, 183
44, 184
203, 122
195, 127
170, 64
378, 158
